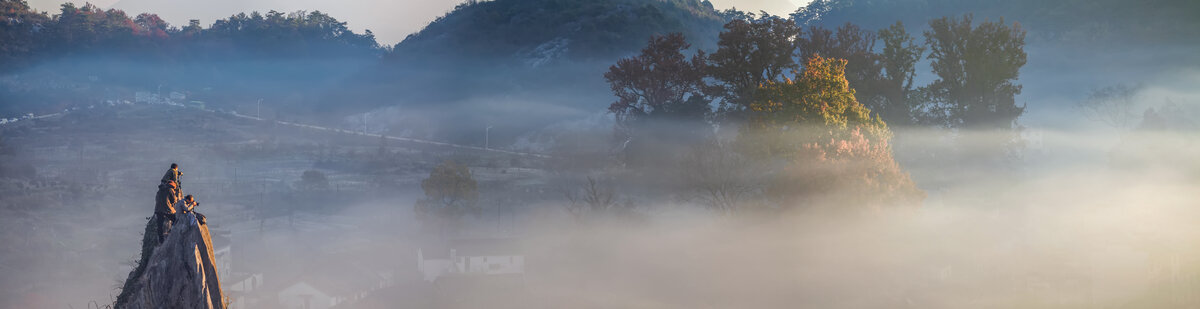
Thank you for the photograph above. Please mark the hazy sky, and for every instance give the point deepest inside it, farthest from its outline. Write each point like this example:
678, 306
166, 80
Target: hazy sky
391, 21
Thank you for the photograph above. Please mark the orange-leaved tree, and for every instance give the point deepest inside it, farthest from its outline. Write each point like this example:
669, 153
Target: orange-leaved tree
832, 152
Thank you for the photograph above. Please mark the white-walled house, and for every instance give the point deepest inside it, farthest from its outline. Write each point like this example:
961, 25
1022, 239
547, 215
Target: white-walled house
303, 295
245, 282
326, 287
241, 288
433, 264
470, 257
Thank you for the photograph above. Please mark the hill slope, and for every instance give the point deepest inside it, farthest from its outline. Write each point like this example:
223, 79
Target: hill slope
520, 65
575, 29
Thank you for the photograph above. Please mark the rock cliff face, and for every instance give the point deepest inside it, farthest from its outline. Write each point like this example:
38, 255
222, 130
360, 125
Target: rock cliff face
179, 273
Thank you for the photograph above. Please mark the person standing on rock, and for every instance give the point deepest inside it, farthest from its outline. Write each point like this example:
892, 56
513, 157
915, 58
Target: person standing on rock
164, 208
174, 174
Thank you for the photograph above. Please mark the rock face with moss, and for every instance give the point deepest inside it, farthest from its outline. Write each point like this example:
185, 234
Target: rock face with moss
179, 273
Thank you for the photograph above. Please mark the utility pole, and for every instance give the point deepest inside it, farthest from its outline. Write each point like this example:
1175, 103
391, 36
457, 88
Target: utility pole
487, 138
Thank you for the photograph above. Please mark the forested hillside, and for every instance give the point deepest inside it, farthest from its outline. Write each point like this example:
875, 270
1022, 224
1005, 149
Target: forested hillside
515, 46
578, 29
540, 61
32, 37
309, 65
83, 55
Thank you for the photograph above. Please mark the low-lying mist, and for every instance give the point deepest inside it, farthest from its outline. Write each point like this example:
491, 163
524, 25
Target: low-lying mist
1079, 218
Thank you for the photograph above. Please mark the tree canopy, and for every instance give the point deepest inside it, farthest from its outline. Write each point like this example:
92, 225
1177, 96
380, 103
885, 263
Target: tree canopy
450, 193
660, 82
837, 153
977, 67
864, 69
898, 105
30, 36
662, 99
751, 51
818, 105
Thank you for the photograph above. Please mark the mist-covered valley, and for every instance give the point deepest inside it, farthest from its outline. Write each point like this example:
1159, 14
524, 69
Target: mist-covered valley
610, 154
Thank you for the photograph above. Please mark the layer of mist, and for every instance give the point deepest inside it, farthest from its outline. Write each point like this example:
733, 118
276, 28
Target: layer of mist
312, 172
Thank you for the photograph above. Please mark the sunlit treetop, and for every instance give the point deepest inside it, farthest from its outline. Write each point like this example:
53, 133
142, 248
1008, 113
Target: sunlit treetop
819, 99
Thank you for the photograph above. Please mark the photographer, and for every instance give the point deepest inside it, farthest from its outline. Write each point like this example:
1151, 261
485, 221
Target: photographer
164, 209
188, 205
173, 175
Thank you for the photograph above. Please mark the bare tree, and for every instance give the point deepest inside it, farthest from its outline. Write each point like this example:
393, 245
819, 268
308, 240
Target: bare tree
719, 178
1112, 105
595, 199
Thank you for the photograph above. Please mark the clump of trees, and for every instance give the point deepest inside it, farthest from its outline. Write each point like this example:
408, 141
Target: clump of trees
118, 55
28, 36
811, 108
19, 35
313, 180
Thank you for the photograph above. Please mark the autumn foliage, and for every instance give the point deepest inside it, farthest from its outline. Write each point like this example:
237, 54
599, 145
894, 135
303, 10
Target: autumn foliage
853, 174
820, 147
835, 153
819, 104
808, 139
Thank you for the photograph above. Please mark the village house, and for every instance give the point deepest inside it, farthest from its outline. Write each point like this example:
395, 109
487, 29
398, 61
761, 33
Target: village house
340, 281
481, 257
